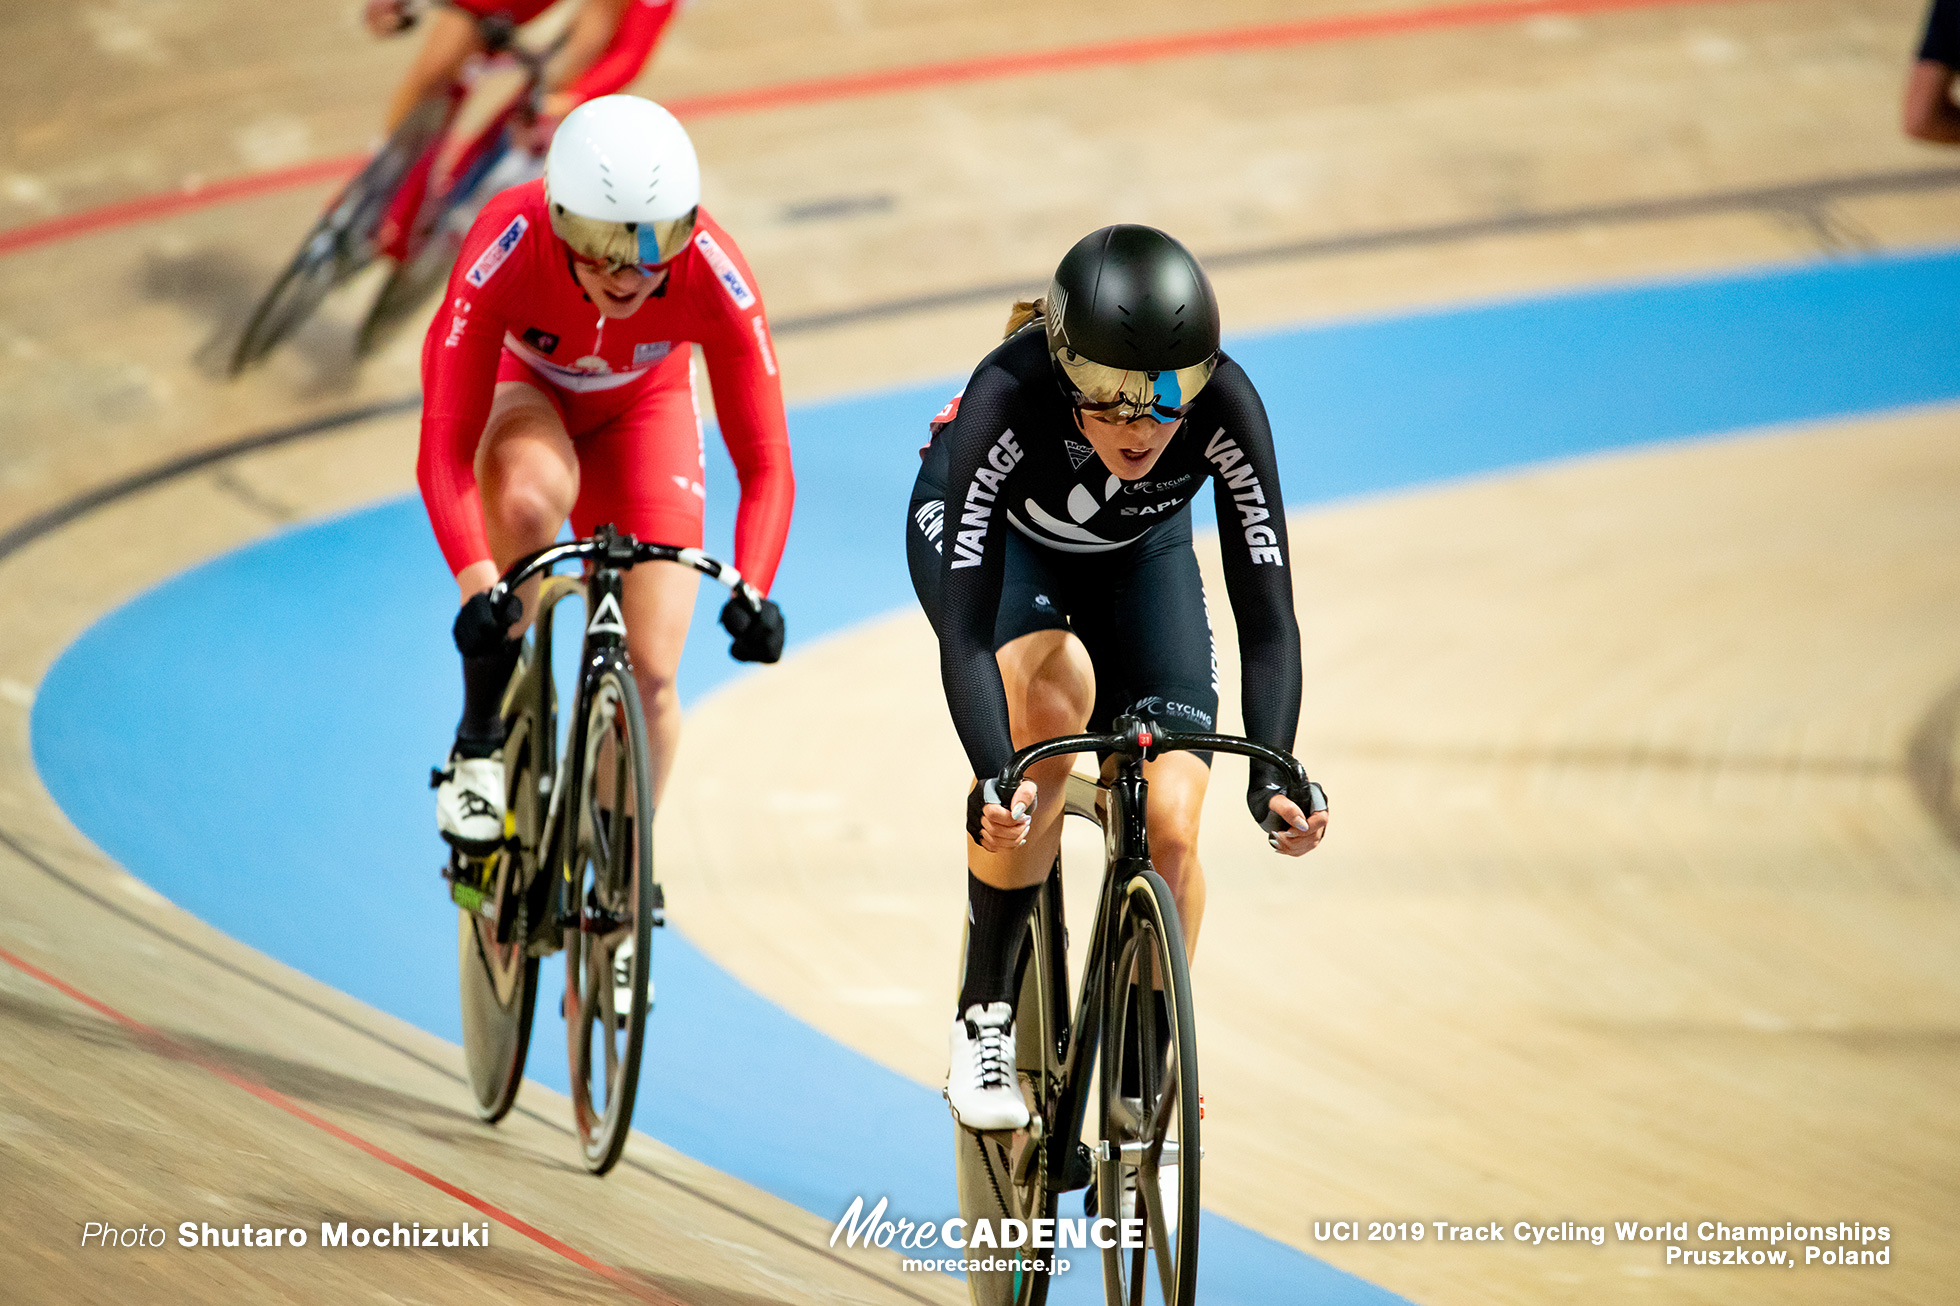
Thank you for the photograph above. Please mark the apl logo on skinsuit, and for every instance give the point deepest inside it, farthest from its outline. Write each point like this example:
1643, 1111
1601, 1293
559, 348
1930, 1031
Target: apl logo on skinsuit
493, 258
725, 271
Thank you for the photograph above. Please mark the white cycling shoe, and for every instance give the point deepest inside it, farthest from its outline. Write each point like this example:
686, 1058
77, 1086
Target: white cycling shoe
470, 802
981, 1087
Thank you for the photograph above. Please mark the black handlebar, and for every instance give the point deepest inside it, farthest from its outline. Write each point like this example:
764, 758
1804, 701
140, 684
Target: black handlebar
1143, 741
612, 549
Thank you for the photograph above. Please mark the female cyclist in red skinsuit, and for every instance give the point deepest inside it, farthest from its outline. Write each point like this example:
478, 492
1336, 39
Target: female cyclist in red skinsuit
557, 382
609, 42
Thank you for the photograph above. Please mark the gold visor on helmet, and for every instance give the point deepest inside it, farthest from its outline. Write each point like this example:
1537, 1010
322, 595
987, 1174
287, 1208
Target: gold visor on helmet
1125, 396
617, 245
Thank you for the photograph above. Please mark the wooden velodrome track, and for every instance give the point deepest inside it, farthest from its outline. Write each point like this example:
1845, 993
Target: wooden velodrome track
1641, 897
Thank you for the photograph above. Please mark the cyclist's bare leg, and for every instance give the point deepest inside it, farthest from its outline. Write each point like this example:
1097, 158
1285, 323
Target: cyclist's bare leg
1177, 797
450, 41
659, 602
527, 473
1051, 689
528, 478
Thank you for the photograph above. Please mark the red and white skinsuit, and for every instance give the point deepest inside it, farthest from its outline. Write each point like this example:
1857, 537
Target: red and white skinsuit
631, 45
619, 63
624, 386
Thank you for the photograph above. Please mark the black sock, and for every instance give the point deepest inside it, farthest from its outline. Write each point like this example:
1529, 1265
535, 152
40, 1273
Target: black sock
997, 922
481, 731
1129, 1078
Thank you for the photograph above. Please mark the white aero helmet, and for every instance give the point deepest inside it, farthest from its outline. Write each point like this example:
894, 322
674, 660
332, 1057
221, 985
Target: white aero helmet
622, 182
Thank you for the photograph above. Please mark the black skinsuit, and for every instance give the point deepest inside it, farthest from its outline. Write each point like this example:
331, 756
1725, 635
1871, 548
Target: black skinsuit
1016, 525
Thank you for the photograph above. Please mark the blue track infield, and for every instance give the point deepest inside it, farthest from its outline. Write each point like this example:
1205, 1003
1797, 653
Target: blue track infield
253, 737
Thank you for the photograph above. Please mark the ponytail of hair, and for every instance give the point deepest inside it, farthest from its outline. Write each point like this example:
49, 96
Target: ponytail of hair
1024, 312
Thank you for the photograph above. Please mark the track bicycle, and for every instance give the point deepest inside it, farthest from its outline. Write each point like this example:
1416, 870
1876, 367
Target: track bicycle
1148, 1125
412, 202
575, 870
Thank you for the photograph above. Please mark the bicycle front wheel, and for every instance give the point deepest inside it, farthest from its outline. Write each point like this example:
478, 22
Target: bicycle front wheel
407, 288
1148, 1158
608, 942
342, 242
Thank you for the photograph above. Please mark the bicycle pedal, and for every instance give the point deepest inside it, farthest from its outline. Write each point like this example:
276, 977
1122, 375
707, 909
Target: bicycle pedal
1078, 1170
473, 900
470, 883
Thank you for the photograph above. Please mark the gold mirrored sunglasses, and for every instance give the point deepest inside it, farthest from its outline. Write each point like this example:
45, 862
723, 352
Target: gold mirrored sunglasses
614, 246
1125, 395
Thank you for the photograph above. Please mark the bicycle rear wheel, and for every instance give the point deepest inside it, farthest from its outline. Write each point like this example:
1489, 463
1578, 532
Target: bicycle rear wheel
615, 896
497, 975
1150, 1124
342, 241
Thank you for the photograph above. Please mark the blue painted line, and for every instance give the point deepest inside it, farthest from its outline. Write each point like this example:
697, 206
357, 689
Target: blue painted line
252, 736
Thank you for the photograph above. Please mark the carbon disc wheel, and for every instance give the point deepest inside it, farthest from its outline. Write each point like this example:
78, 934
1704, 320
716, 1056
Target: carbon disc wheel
498, 979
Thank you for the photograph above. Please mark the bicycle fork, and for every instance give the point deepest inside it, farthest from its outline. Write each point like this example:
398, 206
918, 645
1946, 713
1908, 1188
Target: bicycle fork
1126, 846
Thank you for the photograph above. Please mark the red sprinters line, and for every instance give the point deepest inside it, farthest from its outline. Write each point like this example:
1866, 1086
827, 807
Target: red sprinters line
1178, 45
1310, 31
180, 1051
151, 207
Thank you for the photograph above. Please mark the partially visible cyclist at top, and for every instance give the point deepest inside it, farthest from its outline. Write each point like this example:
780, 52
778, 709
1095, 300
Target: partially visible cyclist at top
1929, 111
609, 43
558, 383
1050, 544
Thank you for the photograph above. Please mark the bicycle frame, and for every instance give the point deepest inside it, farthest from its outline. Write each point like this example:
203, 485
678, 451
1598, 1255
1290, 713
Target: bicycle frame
608, 555
450, 169
1119, 806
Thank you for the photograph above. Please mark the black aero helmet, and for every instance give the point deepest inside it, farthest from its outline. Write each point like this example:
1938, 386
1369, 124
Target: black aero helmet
1132, 324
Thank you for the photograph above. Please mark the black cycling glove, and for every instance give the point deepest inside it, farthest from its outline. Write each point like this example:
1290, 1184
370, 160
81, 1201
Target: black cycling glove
758, 634
483, 625
987, 791
1260, 800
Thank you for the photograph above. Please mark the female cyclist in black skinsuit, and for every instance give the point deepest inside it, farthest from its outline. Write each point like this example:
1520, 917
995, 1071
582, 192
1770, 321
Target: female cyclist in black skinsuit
1050, 545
